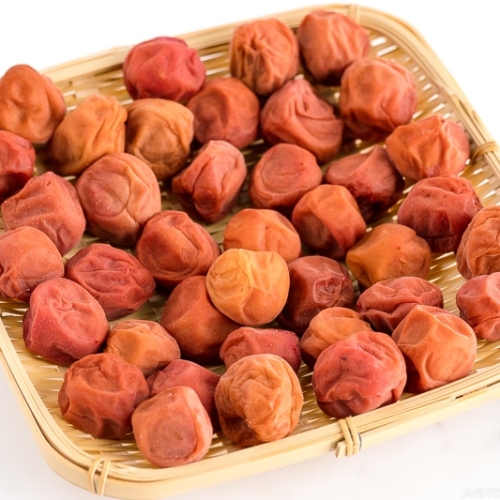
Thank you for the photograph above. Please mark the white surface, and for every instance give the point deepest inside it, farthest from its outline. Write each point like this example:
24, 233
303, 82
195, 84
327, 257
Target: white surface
453, 459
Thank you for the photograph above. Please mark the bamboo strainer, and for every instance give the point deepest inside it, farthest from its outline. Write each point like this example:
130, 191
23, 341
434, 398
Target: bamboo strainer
117, 468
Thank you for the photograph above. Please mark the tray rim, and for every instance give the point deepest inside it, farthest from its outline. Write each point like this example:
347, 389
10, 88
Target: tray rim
342, 437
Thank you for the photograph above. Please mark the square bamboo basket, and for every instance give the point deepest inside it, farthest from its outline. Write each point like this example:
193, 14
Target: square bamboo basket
117, 468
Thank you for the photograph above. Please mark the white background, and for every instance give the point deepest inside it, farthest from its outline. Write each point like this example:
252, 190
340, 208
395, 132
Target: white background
453, 459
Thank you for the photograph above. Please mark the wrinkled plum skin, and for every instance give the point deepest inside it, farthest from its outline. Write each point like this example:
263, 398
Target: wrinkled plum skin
185, 372
99, 394
28, 257
51, 204
249, 286
173, 247
368, 82
328, 326
328, 43
295, 114
172, 428
478, 301
478, 251
192, 319
248, 340
95, 128
315, 217
225, 109
371, 178
119, 194
316, 282
283, 174
439, 209
143, 343
390, 250
208, 188
17, 163
64, 322
262, 229
163, 67
264, 54
31, 105
429, 147
387, 302
116, 278
357, 374
439, 347
259, 399
160, 132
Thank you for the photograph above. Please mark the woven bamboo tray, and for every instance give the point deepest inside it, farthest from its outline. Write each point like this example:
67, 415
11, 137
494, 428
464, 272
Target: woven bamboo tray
117, 468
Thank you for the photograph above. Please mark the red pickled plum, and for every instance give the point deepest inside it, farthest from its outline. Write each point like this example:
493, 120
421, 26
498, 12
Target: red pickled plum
163, 67
262, 229
376, 96
326, 328
225, 109
358, 374
316, 282
99, 394
197, 325
429, 147
63, 322
439, 347
208, 188
31, 105
370, 177
283, 174
388, 251
160, 132
250, 287
263, 54
28, 257
478, 302
17, 163
143, 343
296, 114
182, 372
439, 209
479, 249
385, 303
259, 400
329, 42
328, 220
115, 277
51, 204
119, 194
172, 428
173, 247
248, 340
96, 127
